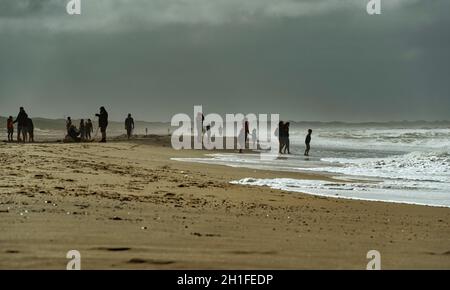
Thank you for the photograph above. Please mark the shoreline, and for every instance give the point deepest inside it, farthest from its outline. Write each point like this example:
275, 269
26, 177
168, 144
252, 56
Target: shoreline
177, 215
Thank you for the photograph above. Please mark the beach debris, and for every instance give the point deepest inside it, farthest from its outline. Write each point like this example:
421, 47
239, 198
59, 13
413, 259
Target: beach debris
116, 218
144, 228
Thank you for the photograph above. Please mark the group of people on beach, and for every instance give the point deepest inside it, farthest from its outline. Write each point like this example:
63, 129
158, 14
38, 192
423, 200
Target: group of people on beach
85, 130
25, 127
25, 130
283, 138
83, 133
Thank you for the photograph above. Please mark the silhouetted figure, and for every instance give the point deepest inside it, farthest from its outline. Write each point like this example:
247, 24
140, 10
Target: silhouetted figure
129, 125
208, 133
82, 130
199, 123
247, 130
21, 121
308, 142
286, 138
146, 132
103, 123
89, 129
73, 133
30, 130
241, 139
254, 139
10, 128
280, 132
68, 124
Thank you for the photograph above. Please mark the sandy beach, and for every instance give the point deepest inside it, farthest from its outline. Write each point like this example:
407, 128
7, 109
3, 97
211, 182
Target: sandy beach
126, 205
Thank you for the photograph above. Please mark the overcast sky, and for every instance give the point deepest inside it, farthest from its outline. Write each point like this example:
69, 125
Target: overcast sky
318, 60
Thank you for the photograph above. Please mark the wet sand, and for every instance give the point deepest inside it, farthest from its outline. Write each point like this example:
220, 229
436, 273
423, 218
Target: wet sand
126, 205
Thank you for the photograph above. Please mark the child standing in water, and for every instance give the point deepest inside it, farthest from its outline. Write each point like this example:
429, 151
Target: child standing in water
307, 142
10, 127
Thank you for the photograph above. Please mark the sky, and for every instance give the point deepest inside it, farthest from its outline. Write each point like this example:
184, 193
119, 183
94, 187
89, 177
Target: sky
307, 60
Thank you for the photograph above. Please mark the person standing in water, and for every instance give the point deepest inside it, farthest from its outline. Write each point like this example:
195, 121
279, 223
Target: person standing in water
247, 130
30, 130
82, 130
103, 123
10, 128
286, 138
254, 139
21, 121
89, 129
308, 142
129, 126
280, 133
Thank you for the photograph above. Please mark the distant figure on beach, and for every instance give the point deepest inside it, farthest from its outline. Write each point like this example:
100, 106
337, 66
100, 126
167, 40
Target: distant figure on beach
73, 133
286, 138
21, 121
247, 130
10, 128
208, 133
129, 125
103, 123
254, 138
241, 139
146, 132
307, 142
199, 124
30, 130
82, 130
68, 124
280, 133
89, 129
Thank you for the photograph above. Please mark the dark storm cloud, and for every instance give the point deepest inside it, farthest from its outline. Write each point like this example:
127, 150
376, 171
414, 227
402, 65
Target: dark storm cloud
308, 60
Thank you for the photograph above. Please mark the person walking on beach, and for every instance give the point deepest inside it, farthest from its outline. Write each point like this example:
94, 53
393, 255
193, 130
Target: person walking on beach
307, 142
82, 130
247, 130
286, 138
103, 123
254, 139
68, 124
89, 129
280, 134
199, 125
129, 126
21, 121
30, 130
10, 128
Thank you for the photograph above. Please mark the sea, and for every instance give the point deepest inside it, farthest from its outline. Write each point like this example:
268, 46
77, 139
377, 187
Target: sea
401, 162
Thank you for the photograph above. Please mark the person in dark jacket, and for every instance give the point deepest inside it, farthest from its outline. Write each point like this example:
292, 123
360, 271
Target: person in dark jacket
308, 142
129, 125
103, 123
74, 134
21, 121
89, 129
286, 138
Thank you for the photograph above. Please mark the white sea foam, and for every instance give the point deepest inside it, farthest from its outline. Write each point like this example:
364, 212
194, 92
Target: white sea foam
403, 165
372, 191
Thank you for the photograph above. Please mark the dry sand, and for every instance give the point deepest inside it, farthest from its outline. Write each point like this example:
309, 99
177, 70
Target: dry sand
127, 205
